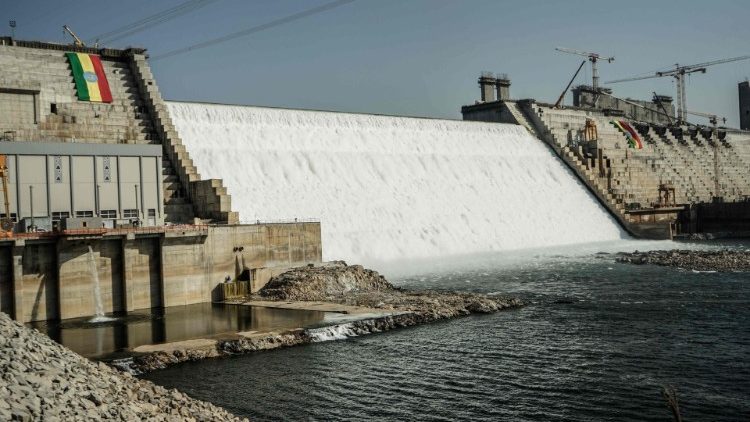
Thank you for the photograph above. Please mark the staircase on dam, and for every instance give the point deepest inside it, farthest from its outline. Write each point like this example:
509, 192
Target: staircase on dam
209, 198
517, 113
38, 103
698, 165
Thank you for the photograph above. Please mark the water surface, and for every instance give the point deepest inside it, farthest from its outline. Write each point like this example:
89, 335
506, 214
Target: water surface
127, 331
597, 342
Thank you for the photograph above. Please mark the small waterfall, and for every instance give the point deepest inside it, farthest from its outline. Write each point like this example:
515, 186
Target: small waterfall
333, 332
98, 307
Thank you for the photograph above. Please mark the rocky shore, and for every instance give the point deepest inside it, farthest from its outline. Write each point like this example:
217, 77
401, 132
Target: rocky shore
722, 260
42, 380
356, 286
342, 284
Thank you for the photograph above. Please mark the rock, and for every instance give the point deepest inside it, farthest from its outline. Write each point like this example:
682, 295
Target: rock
722, 260
323, 282
44, 381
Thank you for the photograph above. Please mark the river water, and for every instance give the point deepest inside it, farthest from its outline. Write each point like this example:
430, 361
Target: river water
596, 342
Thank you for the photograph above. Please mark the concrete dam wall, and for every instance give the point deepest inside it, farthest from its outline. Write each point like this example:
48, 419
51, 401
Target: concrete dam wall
50, 277
388, 188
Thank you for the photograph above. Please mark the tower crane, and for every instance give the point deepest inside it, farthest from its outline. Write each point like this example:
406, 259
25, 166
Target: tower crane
77, 41
679, 73
593, 58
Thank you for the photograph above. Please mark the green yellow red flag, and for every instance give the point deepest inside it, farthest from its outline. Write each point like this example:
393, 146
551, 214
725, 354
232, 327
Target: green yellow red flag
91, 81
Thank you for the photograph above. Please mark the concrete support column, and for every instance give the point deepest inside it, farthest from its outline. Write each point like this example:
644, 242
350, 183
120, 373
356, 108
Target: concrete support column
18, 310
128, 276
142, 273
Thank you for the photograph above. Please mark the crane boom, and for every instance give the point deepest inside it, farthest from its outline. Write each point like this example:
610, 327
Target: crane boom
562, 96
679, 73
77, 41
637, 78
720, 61
593, 58
712, 118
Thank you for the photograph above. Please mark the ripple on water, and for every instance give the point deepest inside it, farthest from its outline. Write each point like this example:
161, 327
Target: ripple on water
580, 361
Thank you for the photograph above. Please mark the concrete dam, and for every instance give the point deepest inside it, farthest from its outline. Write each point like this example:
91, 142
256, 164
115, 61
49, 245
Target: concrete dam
163, 202
387, 188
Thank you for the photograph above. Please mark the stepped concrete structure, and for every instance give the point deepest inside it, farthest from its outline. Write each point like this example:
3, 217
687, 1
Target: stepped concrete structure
681, 176
39, 104
113, 183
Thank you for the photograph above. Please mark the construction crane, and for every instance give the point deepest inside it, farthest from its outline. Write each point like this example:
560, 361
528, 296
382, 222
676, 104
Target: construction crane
593, 58
712, 118
77, 41
679, 73
6, 223
565, 91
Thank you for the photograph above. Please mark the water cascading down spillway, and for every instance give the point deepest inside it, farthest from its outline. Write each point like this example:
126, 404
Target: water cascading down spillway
388, 188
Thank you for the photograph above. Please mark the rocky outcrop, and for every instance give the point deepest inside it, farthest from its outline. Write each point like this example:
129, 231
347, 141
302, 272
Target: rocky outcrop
354, 285
42, 380
722, 260
324, 282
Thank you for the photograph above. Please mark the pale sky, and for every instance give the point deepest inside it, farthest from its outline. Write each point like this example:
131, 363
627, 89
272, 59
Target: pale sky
413, 57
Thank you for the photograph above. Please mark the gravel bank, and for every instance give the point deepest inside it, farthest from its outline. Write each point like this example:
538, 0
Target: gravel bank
42, 380
723, 260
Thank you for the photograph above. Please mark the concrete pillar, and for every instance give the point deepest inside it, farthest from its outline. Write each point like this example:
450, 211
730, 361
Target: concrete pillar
744, 95
6, 279
141, 273
502, 84
128, 276
487, 86
18, 249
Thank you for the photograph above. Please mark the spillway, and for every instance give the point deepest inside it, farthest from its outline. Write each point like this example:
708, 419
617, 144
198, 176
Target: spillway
389, 188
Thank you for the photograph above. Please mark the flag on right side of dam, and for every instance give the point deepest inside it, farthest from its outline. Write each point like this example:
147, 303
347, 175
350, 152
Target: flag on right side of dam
634, 141
88, 74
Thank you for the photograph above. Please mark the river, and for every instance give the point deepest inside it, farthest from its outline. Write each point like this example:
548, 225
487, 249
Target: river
597, 341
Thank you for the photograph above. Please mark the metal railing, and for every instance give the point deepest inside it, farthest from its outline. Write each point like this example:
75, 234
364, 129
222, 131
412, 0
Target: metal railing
171, 228
121, 231
278, 221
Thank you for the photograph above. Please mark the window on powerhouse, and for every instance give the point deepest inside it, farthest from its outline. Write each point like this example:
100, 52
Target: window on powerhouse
84, 214
12, 216
59, 215
152, 212
108, 214
129, 213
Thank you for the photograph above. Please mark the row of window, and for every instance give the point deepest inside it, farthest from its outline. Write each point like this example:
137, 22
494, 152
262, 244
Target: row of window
59, 215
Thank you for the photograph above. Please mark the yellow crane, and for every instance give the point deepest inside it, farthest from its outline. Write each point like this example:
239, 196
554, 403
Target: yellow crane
77, 41
6, 223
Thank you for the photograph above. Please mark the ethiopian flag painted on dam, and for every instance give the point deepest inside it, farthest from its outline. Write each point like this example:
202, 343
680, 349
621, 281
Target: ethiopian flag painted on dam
91, 81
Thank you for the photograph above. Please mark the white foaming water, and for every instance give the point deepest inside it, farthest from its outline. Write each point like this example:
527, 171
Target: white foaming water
333, 332
391, 188
98, 307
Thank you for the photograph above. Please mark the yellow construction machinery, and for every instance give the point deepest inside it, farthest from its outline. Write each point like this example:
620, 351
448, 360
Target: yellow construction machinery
77, 41
6, 223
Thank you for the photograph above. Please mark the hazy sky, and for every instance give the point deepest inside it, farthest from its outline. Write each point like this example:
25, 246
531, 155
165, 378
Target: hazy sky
415, 57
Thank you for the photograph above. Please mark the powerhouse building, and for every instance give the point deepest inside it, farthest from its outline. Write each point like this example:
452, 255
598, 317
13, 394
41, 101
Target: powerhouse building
100, 195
